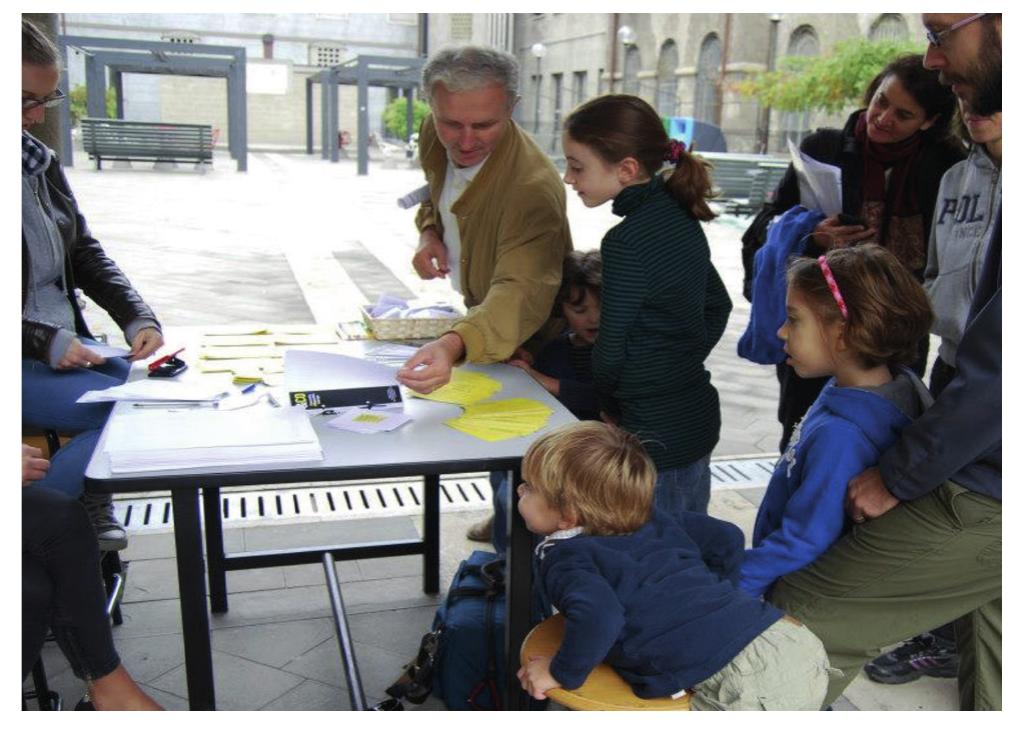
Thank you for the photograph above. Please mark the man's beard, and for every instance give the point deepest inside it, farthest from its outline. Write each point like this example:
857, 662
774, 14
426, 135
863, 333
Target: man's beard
983, 76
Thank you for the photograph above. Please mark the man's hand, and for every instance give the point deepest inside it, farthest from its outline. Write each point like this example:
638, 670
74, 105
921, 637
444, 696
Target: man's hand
430, 367
33, 465
145, 343
79, 356
830, 234
431, 259
535, 677
868, 497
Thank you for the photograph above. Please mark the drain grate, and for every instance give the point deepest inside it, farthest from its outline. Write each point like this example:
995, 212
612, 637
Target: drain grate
741, 473
250, 506
247, 506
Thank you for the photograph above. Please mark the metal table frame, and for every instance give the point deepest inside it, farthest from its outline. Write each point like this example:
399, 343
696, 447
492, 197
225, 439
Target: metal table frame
197, 491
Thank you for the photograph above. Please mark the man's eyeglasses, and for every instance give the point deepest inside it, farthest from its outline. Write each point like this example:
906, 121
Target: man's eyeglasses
935, 37
50, 101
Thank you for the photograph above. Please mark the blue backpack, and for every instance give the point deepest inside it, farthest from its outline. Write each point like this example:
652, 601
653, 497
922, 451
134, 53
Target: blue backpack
463, 658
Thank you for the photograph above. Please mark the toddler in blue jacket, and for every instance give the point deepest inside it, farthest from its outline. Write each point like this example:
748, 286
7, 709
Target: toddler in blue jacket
651, 593
854, 314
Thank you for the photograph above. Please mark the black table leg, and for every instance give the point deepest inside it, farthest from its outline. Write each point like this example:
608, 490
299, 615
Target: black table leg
193, 598
215, 544
518, 595
430, 527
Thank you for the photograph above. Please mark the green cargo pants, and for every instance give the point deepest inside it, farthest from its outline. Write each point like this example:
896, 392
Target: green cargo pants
922, 564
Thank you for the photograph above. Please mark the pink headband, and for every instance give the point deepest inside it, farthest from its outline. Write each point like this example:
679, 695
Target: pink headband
833, 287
675, 150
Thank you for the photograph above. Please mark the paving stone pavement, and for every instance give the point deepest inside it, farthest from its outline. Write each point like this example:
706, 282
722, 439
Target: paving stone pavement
297, 240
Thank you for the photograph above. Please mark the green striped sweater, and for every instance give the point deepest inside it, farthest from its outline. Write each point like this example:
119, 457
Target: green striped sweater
663, 308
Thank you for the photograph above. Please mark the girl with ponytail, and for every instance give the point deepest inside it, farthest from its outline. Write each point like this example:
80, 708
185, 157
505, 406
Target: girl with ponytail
663, 305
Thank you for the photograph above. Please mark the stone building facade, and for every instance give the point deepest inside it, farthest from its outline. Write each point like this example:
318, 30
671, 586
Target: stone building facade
684, 64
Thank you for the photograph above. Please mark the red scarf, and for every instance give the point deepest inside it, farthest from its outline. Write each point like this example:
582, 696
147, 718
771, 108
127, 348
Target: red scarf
902, 158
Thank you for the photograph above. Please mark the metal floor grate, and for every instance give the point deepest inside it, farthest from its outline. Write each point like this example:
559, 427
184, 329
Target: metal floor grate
251, 506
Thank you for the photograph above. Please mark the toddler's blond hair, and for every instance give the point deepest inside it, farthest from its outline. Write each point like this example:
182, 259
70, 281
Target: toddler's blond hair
598, 474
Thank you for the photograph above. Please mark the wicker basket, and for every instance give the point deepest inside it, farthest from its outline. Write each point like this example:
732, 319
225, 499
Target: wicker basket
406, 329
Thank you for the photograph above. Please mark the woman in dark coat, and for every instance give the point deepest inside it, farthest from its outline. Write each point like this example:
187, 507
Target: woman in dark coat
892, 155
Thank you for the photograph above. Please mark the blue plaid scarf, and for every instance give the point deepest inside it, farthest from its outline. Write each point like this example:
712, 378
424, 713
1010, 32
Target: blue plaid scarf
35, 155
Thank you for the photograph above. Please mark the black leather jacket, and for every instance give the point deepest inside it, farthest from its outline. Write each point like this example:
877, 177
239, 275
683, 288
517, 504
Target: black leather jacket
86, 266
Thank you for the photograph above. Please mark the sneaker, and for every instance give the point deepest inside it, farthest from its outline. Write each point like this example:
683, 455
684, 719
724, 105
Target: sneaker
482, 532
926, 655
111, 535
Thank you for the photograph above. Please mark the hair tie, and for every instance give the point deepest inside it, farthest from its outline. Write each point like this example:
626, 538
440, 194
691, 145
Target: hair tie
833, 287
676, 149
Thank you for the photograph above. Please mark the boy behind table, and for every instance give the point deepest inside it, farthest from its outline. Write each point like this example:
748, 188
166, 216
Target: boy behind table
650, 593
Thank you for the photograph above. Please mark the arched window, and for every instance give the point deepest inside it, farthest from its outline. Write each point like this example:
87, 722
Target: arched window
631, 70
803, 43
667, 83
706, 103
889, 26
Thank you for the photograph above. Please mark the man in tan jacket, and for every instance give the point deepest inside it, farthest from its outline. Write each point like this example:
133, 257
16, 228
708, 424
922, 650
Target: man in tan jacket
495, 220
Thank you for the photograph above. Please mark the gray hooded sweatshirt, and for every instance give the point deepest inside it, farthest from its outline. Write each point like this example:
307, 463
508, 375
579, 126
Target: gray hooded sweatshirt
968, 200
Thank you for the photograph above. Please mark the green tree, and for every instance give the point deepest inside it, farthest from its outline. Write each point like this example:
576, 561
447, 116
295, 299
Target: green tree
830, 83
79, 103
395, 117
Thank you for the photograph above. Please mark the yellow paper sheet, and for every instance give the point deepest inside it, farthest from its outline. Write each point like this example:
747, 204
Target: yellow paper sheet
241, 340
464, 388
501, 420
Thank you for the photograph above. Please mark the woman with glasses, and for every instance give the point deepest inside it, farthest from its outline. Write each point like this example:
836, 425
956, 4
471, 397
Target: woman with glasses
892, 154
59, 256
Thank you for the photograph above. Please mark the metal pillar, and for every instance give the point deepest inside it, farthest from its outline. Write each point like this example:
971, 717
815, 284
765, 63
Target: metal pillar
326, 122
117, 86
309, 116
363, 121
95, 80
410, 95
335, 126
237, 144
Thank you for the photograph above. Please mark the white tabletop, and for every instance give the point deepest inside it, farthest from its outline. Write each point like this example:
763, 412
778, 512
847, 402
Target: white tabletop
424, 445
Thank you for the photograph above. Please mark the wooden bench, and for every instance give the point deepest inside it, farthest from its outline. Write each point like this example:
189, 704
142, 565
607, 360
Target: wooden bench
143, 141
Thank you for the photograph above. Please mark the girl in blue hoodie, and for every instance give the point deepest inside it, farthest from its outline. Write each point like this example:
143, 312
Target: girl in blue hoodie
854, 314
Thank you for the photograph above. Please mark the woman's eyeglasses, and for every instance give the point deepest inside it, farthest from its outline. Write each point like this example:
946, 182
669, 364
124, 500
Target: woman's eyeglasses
50, 101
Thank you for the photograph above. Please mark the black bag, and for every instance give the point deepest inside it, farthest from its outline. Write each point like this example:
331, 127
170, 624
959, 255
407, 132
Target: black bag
463, 658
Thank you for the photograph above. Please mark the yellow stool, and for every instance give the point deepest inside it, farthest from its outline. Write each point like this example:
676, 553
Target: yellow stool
604, 688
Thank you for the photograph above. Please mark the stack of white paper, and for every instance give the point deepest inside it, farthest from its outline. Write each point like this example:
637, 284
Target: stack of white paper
160, 440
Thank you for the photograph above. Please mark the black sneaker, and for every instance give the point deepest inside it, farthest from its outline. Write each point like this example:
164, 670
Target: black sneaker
926, 655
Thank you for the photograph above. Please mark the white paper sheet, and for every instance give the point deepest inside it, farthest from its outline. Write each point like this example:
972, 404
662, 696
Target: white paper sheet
107, 351
308, 370
159, 389
819, 183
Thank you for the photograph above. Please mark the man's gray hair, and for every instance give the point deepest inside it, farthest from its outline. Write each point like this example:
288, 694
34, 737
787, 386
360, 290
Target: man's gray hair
470, 67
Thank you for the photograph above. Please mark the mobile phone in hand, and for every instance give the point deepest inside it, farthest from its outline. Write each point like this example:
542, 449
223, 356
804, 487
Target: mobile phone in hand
848, 220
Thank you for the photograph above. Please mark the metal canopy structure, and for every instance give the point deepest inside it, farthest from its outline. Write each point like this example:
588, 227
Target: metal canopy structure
157, 58
399, 73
